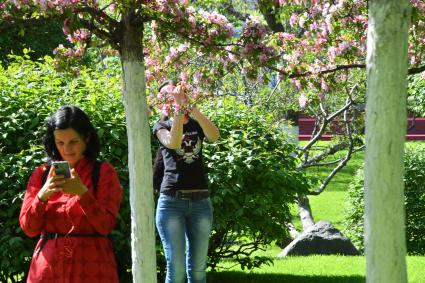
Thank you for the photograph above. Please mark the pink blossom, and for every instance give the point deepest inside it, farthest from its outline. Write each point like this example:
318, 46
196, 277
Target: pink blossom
295, 83
332, 53
293, 19
286, 35
66, 29
168, 89
183, 47
148, 75
165, 109
302, 100
197, 77
324, 85
183, 76
263, 59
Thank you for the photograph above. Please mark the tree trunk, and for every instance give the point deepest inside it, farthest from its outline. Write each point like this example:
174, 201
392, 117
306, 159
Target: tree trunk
385, 135
139, 158
304, 210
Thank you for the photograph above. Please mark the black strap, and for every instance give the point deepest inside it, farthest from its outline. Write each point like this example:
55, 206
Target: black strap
45, 174
94, 175
45, 237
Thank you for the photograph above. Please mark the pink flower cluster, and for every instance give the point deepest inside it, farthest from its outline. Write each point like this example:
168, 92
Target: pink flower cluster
165, 101
62, 51
79, 35
208, 27
253, 29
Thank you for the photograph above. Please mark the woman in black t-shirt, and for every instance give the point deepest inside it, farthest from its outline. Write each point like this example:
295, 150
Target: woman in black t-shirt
184, 210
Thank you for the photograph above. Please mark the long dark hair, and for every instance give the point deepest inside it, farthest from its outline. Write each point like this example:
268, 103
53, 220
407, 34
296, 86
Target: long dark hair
71, 117
158, 164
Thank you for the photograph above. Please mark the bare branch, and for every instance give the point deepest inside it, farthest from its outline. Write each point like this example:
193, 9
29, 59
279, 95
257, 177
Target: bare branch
327, 120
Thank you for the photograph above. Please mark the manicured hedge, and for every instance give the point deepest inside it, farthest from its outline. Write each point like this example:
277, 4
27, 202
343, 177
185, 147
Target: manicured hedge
414, 181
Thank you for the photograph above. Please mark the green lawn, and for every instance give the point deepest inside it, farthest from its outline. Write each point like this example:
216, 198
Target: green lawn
313, 269
329, 206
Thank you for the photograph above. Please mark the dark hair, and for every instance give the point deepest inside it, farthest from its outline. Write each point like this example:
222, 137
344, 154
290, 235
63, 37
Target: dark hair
172, 81
158, 165
158, 170
71, 117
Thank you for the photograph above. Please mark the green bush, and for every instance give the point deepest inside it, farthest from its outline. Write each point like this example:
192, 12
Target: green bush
414, 180
29, 93
252, 180
416, 95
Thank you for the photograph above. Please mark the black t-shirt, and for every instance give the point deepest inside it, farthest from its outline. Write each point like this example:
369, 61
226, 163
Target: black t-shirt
184, 168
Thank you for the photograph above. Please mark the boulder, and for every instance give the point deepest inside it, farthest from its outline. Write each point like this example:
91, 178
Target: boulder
321, 238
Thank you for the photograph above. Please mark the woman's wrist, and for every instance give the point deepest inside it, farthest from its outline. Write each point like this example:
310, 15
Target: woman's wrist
82, 192
41, 197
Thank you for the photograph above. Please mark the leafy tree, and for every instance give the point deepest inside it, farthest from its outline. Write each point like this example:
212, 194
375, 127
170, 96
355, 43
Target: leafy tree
120, 25
41, 35
289, 56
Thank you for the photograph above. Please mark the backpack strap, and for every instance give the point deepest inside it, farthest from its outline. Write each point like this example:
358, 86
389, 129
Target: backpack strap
95, 175
45, 174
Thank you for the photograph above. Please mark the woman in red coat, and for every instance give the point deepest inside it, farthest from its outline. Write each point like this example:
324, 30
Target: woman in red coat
72, 215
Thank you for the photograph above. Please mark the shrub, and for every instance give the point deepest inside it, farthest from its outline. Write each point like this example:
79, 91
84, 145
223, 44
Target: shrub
414, 180
29, 93
252, 181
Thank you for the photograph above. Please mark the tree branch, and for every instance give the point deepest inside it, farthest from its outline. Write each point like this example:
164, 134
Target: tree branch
416, 70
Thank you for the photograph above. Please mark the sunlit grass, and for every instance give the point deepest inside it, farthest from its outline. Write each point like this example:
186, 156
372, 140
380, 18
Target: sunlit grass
314, 269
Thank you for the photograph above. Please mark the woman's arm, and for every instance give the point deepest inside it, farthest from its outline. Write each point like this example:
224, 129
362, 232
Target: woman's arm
172, 138
31, 217
211, 131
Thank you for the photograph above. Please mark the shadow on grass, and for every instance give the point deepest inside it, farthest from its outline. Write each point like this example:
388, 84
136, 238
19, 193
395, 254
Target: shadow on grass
237, 277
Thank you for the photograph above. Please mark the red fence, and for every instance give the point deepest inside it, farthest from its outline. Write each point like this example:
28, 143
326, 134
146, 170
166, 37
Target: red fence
416, 129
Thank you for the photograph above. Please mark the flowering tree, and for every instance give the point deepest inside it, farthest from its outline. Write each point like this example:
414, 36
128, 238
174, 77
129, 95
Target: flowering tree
119, 24
318, 50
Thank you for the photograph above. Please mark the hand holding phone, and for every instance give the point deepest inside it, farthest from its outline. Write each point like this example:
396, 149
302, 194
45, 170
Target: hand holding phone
62, 168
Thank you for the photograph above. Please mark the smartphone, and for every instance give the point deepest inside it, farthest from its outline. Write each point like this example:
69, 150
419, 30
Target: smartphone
62, 168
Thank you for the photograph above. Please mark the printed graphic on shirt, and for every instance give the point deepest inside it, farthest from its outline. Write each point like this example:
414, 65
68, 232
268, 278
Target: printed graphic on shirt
190, 148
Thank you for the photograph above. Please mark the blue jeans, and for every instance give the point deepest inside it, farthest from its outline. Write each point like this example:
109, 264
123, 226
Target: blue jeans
184, 227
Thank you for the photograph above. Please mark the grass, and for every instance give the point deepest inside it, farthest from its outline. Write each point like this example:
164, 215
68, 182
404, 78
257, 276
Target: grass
317, 269
329, 205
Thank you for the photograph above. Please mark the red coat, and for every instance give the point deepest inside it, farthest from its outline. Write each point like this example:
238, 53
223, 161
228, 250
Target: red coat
73, 259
